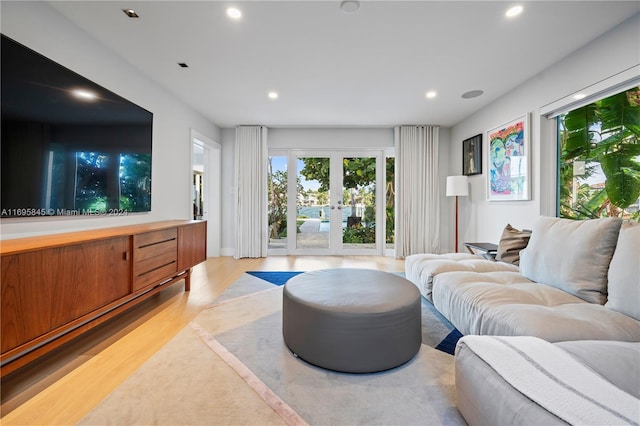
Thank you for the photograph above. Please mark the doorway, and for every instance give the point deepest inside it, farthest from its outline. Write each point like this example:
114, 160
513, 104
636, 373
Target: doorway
205, 187
334, 202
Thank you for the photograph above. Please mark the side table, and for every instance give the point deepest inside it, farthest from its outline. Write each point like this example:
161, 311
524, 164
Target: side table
486, 250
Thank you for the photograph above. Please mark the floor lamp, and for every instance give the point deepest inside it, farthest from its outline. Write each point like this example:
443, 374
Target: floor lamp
457, 186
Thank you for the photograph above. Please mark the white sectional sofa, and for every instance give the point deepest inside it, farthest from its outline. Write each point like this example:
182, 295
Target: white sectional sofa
578, 285
577, 280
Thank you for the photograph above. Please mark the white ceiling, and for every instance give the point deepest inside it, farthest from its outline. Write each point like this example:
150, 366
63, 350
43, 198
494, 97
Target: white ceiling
369, 68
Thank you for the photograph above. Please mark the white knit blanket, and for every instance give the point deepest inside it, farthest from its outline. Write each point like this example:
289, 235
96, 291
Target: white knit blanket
555, 380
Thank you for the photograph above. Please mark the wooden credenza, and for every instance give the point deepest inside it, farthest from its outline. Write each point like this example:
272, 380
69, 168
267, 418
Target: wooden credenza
56, 287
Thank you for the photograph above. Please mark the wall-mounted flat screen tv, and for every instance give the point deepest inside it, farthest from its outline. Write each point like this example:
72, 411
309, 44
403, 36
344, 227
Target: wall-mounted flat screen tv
69, 146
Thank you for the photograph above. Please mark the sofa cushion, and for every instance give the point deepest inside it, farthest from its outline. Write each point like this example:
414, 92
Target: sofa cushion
572, 255
507, 304
624, 272
421, 268
511, 242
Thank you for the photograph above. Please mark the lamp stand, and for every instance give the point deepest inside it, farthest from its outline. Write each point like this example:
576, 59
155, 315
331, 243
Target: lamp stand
456, 223
457, 186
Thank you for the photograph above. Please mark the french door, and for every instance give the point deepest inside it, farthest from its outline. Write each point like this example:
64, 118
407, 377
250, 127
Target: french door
335, 201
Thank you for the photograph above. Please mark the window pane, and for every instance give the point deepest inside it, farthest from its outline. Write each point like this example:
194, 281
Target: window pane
359, 201
599, 170
277, 209
312, 222
390, 193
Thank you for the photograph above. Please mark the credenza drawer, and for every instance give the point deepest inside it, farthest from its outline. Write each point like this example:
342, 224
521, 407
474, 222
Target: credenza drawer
155, 256
149, 239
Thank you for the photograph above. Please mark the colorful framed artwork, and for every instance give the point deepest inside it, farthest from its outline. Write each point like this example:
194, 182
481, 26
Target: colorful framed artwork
472, 156
508, 160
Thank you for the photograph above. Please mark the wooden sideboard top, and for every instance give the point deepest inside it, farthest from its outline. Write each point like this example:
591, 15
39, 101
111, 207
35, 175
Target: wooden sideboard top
20, 245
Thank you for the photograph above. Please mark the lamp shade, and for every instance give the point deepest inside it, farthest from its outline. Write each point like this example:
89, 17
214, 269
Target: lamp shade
457, 186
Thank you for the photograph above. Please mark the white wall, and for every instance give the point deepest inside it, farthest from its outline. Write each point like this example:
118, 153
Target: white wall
41, 28
330, 138
228, 207
481, 220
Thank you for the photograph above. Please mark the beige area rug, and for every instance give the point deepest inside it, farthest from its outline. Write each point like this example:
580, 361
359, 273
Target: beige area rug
230, 366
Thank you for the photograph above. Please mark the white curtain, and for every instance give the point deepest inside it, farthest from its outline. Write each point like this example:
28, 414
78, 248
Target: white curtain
251, 191
417, 190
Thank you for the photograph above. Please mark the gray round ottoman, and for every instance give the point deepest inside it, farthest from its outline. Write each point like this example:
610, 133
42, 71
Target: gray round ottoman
352, 320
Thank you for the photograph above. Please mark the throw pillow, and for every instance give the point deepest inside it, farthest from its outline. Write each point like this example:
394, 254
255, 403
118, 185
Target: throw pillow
624, 272
572, 255
511, 242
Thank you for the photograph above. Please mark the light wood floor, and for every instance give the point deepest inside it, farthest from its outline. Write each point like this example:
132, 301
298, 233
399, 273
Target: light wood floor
62, 387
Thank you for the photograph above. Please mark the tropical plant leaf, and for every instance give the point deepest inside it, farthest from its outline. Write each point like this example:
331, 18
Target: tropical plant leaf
616, 112
623, 189
578, 124
623, 179
592, 208
630, 150
616, 161
586, 209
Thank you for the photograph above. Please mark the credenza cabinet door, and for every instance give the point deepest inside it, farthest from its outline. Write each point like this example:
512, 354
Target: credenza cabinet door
48, 288
192, 244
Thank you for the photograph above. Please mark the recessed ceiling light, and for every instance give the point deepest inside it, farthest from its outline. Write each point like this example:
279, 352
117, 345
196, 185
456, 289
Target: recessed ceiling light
85, 95
183, 64
130, 13
472, 94
579, 96
234, 13
514, 11
273, 95
431, 94
349, 6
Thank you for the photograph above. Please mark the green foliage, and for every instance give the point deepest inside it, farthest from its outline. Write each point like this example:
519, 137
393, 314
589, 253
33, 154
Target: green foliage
135, 191
323, 197
579, 136
277, 210
358, 171
317, 169
390, 224
623, 178
390, 164
98, 205
606, 132
360, 234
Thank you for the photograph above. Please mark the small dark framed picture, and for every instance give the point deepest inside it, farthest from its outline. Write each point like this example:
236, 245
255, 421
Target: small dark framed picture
472, 156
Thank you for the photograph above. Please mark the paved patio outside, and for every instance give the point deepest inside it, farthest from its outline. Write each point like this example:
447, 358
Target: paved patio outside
311, 237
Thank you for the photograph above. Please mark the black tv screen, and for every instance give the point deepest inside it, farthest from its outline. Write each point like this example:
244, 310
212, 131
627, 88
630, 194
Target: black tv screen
69, 146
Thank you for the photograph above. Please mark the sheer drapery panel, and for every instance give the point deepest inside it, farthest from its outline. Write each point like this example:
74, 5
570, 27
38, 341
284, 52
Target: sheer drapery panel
417, 190
251, 191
